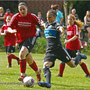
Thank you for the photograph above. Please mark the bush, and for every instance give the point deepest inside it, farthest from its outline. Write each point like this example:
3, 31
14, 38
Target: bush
2, 45
86, 50
40, 46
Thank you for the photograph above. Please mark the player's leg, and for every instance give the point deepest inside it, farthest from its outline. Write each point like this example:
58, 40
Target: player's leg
11, 49
84, 68
64, 56
47, 75
49, 61
61, 69
76, 60
9, 60
22, 56
34, 66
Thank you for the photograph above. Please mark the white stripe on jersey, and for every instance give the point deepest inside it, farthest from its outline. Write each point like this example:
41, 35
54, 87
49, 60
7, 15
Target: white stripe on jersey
67, 53
77, 32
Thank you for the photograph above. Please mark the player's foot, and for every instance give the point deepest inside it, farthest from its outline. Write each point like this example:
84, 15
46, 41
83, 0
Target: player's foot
39, 75
83, 56
18, 61
44, 84
21, 78
87, 76
59, 75
9, 66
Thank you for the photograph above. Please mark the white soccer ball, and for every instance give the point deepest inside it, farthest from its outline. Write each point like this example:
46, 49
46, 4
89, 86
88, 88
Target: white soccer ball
28, 81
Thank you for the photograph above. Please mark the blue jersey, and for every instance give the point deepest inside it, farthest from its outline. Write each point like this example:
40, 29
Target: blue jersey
59, 16
52, 35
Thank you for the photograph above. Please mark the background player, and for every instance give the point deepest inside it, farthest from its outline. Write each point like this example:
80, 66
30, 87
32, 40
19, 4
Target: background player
73, 43
10, 40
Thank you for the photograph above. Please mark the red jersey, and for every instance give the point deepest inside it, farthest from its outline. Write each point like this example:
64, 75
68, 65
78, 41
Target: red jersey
25, 26
10, 38
72, 31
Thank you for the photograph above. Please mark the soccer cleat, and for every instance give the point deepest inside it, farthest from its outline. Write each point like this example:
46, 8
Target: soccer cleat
44, 84
21, 78
59, 75
87, 76
39, 75
83, 56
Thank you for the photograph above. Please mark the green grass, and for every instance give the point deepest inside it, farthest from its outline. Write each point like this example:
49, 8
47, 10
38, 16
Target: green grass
73, 79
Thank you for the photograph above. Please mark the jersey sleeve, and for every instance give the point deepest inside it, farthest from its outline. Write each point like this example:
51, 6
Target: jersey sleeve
35, 19
76, 30
13, 22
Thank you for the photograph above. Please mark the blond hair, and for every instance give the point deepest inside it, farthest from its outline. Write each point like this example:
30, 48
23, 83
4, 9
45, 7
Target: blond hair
77, 22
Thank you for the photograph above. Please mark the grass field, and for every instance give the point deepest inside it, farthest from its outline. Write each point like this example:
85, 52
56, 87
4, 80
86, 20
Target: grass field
73, 79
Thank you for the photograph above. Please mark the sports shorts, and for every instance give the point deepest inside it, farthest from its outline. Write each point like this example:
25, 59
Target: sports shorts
28, 43
59, 53
10, 49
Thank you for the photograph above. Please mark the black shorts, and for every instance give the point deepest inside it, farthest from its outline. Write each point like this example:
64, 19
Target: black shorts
28, 43
72, 53
10, 49
60, 53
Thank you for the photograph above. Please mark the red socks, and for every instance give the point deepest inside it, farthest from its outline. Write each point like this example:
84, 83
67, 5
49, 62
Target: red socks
10, 57
9, 60
13, 56
34, 66
84, 67
61, 69
22, 65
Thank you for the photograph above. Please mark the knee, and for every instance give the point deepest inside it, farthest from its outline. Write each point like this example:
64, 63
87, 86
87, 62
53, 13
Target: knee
8, 54
72, 66
22, 55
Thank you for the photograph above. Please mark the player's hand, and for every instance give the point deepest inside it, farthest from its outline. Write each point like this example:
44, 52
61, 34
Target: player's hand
61, 29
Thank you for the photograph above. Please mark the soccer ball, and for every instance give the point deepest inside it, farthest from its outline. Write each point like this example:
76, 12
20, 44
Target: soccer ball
28, 81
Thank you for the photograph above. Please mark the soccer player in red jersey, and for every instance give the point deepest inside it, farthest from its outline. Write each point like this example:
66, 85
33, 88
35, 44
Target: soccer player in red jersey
10, 40
73, 43
25, 25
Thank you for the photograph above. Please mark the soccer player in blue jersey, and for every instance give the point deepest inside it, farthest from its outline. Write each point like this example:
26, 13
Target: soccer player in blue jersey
55, 50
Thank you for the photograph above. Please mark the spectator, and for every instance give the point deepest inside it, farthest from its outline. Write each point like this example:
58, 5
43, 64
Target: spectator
40, 33
74, 13
87, 23
41, 19
1, 16
59, 17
